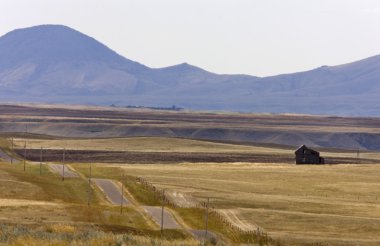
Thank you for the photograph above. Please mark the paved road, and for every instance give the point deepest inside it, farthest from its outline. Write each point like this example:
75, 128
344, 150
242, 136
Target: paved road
57, 168
6, 157
112, 191
156, 212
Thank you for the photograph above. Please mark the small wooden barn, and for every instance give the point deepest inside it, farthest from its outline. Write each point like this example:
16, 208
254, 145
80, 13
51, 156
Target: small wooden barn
305, 155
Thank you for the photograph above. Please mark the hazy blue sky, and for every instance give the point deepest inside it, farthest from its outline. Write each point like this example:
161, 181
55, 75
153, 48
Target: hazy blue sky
257, 37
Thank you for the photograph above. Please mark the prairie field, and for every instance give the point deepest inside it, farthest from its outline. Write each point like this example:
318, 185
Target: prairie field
257, 195
145, 144
337, 205
294, 204
175, 150
31, 204
52, 121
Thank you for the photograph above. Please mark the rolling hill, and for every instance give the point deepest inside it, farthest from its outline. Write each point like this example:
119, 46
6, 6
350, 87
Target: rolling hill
56, 64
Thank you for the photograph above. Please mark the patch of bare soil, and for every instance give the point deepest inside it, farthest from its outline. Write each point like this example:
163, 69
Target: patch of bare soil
150, 157
86, 156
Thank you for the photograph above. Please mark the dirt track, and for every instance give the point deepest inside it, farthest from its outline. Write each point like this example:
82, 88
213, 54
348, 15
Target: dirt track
112, 192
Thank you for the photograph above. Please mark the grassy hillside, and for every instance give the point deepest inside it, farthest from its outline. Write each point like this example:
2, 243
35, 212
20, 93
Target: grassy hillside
178, 150
95, 122
38, 207
337, 205
296, 205
144, 144
44, 207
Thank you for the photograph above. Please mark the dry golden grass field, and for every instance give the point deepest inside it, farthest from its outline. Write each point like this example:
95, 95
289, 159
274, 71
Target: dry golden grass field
331, 205
251, 185
93, 122
143, 144
179, 150
44, 210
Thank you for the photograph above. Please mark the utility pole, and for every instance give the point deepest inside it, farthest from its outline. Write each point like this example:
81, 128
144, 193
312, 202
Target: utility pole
162, 212
206, 218
357, 156
122, 197
24, 154
63, 165
41, 161
12, 150
89, 187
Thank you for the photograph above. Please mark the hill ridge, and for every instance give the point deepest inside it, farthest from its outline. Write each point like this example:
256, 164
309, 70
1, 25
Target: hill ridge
57, 64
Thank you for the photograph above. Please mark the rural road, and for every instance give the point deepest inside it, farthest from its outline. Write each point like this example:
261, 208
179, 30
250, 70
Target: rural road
57, 168
6, 157
155, 213
112, 191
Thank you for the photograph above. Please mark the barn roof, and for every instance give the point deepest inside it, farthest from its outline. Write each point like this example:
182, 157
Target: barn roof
302, 147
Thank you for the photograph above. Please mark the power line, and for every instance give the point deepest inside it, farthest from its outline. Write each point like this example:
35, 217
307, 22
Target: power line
206, 218
41, 161
162, 212
63, 165
122, 197
89, 187
12, 150
24, 154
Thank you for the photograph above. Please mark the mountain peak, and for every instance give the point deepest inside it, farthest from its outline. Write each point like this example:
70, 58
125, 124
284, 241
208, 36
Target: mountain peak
183, 68
55, 63
184, 64
49, 43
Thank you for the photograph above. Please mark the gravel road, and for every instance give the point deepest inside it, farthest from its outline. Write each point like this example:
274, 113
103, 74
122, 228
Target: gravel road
6, 157
169, 221
57, 168
111, 190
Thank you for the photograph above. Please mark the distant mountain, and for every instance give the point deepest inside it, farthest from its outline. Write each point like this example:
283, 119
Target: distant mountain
56, 64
